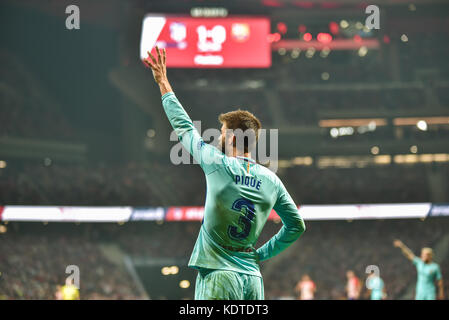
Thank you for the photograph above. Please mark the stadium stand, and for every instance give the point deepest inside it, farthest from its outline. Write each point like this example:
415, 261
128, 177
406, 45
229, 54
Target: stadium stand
145, 184
34, 255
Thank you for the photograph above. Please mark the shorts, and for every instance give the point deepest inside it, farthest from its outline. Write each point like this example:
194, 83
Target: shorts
227, 285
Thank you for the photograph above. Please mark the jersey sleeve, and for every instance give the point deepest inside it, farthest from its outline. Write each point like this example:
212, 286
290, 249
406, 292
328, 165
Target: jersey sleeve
206, 155
293, 226
416, 261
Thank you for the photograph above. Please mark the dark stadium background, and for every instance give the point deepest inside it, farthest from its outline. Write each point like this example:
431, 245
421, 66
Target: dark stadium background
81, 124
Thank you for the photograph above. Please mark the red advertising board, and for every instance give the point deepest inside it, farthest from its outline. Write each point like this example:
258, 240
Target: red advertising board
184, 214
231, 42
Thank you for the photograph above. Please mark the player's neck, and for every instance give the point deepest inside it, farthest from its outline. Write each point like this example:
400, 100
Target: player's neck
236, 153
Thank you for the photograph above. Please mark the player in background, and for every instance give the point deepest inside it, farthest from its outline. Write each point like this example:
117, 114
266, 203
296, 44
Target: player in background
306, 288
240, 196
428, 273
67, 292
376, 287
353, 286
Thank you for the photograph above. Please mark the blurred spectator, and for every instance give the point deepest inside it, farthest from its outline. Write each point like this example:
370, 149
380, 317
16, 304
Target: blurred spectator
353, 286
34, 256
305, 288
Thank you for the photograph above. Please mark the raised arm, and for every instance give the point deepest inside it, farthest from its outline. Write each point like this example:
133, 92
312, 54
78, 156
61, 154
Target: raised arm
159, 68
405, 250
178, 117
293, 226
206, 155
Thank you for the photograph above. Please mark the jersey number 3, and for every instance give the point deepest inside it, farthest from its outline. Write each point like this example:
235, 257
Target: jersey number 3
247, 207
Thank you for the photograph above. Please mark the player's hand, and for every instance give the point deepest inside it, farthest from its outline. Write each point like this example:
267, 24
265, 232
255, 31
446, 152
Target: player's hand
158, 65
397, 243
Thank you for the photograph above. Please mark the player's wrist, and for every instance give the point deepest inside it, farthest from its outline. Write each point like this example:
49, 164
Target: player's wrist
163, 81
164, 86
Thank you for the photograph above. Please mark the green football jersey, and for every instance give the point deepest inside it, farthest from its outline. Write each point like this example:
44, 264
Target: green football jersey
376, 284
427, 273
240, 196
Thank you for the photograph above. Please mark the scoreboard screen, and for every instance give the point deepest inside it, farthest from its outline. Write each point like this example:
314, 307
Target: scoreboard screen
231, 42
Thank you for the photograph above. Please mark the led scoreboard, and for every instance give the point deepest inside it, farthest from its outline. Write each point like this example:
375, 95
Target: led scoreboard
231, 42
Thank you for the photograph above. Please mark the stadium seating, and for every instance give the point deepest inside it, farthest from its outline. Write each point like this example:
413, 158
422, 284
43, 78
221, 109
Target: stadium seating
34, 253
135, 184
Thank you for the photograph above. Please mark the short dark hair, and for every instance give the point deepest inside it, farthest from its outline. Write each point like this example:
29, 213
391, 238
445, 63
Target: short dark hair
244, 120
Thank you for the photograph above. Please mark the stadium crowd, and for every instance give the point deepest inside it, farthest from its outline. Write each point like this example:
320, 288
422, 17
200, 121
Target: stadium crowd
33, 264
34, 256
33, 259
153, 184
328, 249
28, 110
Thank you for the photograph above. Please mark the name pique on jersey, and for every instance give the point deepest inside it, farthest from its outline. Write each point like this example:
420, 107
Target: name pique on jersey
248, 181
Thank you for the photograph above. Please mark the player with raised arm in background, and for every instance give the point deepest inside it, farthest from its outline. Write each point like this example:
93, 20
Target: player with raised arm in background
240, 196
428, 273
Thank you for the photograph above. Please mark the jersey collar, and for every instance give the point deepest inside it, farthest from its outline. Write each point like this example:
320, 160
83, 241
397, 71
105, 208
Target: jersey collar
246, 159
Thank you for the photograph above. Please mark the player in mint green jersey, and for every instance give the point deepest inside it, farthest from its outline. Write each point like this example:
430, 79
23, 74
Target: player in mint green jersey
376, 287
428, 273
240, 196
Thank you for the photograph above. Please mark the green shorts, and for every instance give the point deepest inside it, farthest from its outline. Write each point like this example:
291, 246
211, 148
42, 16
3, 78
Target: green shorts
227, 285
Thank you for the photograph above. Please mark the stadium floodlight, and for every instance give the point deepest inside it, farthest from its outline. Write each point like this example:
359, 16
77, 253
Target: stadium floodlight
324, 37
422, 125
151, 133
362, 51
165, 271
254, 84
174, 269
47, 162
325, 52
325, 76
307, 37
334, 132
310, 52
344, 24
184, 284
201, 82
295, 53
